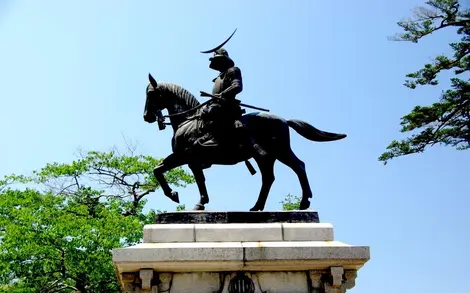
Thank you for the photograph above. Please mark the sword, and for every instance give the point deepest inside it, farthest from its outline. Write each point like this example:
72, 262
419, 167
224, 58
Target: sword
204, 94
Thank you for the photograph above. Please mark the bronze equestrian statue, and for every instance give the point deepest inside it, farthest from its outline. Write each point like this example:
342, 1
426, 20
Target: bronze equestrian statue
218, 132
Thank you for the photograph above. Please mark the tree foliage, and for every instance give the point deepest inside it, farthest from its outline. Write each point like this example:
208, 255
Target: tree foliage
447, 121
59, 225
291, 202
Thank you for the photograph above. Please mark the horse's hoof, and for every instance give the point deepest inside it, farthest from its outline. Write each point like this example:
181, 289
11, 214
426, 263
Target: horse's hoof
174, 196
304, 204
255, 209
199, 207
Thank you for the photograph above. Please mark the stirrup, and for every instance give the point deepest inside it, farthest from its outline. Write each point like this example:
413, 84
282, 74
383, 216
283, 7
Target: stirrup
201, 142
259, 150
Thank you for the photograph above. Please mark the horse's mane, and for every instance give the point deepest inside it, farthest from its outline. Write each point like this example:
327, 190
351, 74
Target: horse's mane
180, 93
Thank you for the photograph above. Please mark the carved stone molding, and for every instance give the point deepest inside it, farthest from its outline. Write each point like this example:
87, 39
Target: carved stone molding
350, 279
316, 281
337, 280
146, 277
333, 280
145, 281
129, 282
164, 282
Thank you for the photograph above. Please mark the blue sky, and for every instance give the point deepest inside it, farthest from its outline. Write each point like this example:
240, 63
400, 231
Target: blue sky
74, 75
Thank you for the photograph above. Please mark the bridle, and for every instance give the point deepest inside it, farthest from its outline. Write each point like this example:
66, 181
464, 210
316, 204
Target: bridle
161, 118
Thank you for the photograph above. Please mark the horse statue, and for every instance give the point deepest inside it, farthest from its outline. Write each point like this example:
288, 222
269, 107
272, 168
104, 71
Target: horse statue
269, 131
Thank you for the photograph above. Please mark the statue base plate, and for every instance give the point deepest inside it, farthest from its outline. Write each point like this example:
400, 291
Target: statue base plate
219, 251
235, 217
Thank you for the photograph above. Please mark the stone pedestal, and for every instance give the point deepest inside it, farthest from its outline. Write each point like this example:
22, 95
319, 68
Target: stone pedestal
231, 252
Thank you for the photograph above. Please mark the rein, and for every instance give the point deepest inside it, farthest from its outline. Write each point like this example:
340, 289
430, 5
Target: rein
162, 119
187, 111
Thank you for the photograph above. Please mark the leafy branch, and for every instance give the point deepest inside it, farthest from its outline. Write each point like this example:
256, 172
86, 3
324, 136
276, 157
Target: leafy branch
446, 122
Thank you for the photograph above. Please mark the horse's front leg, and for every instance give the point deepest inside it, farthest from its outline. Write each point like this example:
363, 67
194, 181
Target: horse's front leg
266, 167
170, 162
201, 184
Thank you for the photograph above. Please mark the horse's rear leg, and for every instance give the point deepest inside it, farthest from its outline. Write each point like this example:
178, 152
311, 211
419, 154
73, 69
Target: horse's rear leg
266, 167
291, 160
170, 162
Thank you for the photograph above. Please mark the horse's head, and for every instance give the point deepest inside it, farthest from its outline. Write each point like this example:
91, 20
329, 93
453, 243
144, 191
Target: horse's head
154, 104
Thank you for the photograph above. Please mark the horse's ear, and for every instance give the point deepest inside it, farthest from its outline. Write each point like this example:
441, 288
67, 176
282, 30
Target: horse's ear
152, 80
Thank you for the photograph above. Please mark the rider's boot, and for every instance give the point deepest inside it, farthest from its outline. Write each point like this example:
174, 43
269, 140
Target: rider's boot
210, 138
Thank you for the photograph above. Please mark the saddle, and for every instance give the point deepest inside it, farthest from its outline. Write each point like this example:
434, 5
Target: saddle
226, 135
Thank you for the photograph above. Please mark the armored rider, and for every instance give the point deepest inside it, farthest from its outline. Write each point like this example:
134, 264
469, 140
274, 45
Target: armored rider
223, 114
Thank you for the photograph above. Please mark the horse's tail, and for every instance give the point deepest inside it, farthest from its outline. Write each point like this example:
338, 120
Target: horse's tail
312, 133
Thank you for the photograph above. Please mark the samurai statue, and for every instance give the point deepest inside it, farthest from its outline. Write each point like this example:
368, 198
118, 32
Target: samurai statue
222, 115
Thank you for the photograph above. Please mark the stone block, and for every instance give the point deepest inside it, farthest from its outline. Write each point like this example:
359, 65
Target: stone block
307, 232
238, 232
282, 282
303, 250
169, 233
301, 255
180, 257
193, 251
195, 283
233, 256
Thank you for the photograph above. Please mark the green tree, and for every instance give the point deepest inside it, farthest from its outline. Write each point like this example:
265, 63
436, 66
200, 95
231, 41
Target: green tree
291, 202
59, 225
447, 121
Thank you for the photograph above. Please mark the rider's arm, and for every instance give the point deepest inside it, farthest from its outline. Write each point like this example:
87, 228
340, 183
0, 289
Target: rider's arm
235, 75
